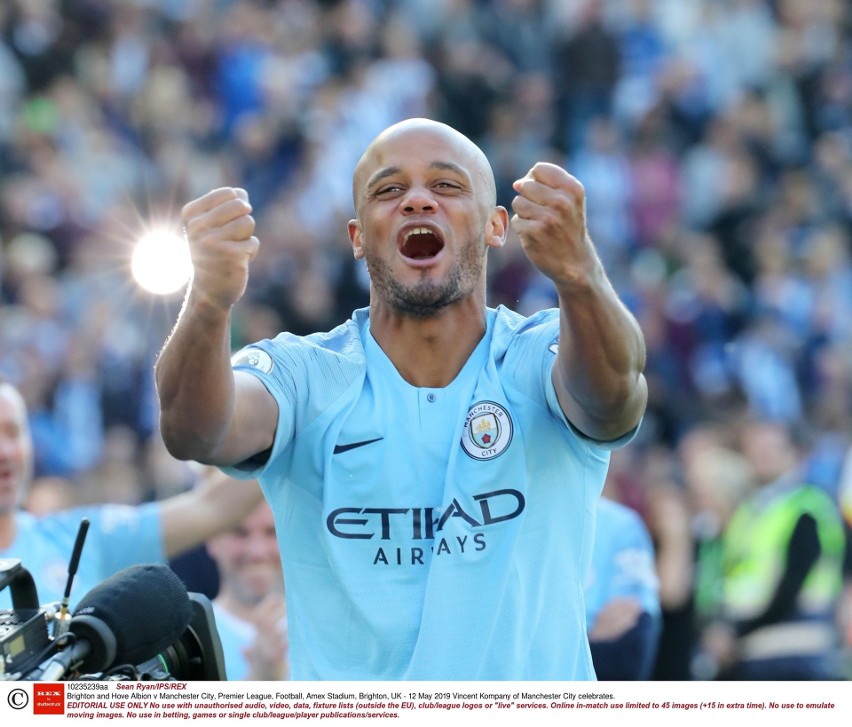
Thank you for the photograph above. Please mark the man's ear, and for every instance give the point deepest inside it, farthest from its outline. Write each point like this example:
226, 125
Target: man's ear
356, 237
498, 226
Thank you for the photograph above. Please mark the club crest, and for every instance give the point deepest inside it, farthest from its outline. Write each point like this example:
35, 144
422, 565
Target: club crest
488, 430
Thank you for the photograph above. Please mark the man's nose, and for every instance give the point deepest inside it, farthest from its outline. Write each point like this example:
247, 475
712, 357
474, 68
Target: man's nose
259, 548
418, 200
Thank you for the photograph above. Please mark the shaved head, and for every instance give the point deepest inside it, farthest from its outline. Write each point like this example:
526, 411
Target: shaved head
460, 150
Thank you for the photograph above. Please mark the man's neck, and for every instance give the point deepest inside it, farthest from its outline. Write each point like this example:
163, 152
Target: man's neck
429, 352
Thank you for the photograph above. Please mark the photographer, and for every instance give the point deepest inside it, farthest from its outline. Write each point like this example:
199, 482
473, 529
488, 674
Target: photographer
118, 536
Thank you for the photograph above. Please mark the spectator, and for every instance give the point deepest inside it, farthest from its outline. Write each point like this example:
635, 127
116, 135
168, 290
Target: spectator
622, 596
782, 571
250, 608
118, 535
718, 480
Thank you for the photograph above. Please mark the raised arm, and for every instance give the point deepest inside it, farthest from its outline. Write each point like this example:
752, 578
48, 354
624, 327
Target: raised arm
216, 505
598, 370
207, 413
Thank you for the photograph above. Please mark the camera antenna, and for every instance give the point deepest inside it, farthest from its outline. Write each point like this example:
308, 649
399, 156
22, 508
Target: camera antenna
62, 623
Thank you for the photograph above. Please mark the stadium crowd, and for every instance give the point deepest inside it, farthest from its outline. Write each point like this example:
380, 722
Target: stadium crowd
713, 138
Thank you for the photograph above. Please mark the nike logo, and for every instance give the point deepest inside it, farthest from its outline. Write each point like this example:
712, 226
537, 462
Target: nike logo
338, 448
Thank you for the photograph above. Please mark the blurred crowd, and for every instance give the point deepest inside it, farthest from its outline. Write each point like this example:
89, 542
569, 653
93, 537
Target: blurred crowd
713, 138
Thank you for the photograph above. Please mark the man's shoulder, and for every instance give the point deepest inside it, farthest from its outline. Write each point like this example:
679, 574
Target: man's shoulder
315, 369
62, 527
512, 320
102, 515
510, 328
342, 341
345, 339
60, 521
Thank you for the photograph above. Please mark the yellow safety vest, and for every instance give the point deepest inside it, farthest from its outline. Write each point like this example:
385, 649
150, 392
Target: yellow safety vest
755, 552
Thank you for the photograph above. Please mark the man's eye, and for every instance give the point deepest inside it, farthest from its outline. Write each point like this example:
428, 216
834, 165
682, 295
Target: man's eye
389, 189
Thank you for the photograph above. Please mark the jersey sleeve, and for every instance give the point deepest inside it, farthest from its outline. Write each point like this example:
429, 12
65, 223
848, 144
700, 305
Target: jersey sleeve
532, 345
305, 375
274, 364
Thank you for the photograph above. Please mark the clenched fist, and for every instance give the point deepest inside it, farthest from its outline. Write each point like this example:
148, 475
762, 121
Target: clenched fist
550, 220
219, 229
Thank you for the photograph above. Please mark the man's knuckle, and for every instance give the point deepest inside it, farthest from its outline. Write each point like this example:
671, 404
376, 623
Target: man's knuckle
192, 226
562, 204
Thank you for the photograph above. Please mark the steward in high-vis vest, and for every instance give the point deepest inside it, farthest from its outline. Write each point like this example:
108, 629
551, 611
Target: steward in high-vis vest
783, 574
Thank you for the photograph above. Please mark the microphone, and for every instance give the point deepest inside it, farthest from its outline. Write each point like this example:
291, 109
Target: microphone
62, 623
92, 643
126, 619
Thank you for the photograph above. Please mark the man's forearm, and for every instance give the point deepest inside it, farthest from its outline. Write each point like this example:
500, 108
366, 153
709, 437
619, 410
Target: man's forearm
195, 382
600, 361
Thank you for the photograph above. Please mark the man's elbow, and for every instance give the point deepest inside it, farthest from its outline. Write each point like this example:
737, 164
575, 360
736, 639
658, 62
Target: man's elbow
186, 445
628, 407
609, 415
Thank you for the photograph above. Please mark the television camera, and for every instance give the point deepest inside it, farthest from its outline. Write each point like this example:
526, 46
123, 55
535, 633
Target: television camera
140, 624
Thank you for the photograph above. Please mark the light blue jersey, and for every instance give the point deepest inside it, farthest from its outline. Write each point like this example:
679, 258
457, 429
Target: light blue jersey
235, 635
429, 533
118, 536
623, 562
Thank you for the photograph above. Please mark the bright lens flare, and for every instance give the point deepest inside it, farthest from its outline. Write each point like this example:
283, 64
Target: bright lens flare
160, 263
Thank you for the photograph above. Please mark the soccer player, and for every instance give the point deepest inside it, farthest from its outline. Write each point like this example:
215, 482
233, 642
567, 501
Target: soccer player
433, 464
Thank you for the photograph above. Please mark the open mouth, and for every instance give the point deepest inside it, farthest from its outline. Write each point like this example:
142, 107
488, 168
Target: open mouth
421, 243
